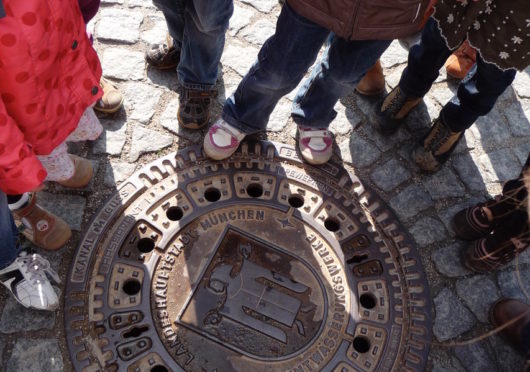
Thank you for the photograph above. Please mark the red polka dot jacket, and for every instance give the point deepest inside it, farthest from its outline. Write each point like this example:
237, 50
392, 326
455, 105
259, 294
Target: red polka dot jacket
49, 75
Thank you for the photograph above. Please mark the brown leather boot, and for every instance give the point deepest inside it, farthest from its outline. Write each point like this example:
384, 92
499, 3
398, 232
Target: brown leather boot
41, 227
82, 174
518, 332
373, 83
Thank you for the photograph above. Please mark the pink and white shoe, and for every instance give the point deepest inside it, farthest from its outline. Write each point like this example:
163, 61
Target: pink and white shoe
222, 140
316, 145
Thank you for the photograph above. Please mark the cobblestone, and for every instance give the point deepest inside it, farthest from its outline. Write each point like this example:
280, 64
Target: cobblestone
427, 231
448, 260
169, 121
112, 139
410, 202
358, 151
123, 64
511, 286
15, 318
157, 33
258, 32
240, 19
119, 25
444, 184
263, 6
518, 118
117, 172
68, 207
521, 84
499, 165
475, 357
452, 318
390, 175
478, 293
141, 101
147, 140
35, 356
239, 57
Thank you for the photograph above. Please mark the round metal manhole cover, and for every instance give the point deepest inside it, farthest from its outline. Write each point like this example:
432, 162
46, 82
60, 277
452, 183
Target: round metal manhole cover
256, 263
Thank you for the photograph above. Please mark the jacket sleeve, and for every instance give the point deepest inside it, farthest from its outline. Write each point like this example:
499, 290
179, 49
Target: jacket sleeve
20, 170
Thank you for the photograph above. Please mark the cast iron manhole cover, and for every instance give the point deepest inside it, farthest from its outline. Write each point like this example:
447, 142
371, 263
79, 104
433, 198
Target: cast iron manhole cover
256, 263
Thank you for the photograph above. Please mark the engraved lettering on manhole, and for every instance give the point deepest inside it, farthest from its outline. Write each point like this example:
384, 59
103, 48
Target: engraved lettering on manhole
257, 263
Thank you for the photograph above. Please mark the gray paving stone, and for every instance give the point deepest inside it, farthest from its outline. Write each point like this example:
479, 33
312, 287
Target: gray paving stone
511, 287
69, 207
410, 202
500, 165
523, 258
258, 32
509, 359
393, 75
384, 142
112, 139
111, 1
518, 115
442, 93
490, 130
469, 172
141, 3
157, 33
444, 184
141, 101
450, 365
390, 175
522, 152
358, 151
280, 115
119, 25
448, 260
394, 55
240, 19
123, 64
344, 122
167, 79
169, 121
117, 172
521, 83
452, 318
475, 357
36, 356
478, 293
239, 57
16, 318
465, 144
264, 6
427, 231
147, 140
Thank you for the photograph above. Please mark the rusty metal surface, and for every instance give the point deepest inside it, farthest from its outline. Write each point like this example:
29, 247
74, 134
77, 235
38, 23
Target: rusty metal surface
259, 262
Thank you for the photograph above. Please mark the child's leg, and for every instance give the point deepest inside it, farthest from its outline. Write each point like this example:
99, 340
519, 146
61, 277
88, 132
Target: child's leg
425, 61
282, 62
58, 164
8, 234
476, 95
88, 129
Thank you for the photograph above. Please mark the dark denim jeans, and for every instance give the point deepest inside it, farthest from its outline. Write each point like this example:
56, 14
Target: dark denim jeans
198, 28
8, 234
477, 93
282, 62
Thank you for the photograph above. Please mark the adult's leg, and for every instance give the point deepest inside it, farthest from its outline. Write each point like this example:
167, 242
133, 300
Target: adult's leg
425, 61
282, 62
8, 234
205, 25
476, 95
173, 11
342, 66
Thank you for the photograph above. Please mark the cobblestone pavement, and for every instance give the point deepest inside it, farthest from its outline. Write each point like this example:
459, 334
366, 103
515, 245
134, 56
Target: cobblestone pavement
494, 150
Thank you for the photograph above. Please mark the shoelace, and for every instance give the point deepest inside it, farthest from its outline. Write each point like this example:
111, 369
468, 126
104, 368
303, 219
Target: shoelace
396, 103
438, 138
37, 267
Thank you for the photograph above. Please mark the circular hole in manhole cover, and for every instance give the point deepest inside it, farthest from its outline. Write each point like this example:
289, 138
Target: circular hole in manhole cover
254, 190
368, 301
174, 213
145, 245
332, 224
132, 287
296, 201
159, 368
212, 194
361, 344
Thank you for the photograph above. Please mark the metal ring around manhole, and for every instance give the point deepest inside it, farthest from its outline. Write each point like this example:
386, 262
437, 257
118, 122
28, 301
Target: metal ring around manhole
259, 262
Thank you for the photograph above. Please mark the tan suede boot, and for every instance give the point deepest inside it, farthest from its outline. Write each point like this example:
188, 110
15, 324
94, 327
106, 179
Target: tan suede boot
373, 83
41, 227
82, 174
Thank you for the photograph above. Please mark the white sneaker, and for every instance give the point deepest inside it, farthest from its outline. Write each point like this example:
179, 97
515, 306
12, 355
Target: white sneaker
26, 279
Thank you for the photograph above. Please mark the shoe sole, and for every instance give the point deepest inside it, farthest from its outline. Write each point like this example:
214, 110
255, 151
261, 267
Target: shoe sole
111, 110
193, 126
370, 94
54, 247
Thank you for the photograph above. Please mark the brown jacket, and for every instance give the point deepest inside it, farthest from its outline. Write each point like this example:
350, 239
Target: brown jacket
364, 19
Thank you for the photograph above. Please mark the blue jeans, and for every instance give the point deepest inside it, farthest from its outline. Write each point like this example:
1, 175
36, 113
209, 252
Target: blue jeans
8, 234
282, 62
198, 29
477, 93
